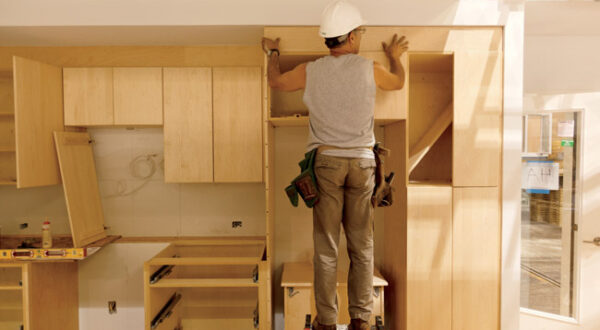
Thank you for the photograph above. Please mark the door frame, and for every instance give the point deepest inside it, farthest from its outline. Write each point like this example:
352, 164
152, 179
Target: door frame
575, 320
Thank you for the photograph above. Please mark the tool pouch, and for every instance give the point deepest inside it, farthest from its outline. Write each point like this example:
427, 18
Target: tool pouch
383, 192
305, 184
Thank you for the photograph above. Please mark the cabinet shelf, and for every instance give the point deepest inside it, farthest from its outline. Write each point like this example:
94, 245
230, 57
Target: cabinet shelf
10, 288
205, 283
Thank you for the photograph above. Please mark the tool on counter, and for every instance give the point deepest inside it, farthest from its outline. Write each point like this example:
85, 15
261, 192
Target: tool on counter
308, 323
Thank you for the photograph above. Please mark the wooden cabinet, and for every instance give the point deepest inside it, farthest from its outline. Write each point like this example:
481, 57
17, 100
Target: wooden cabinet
30, 110
213, 124
237, 111
188, 124
477, 118
476, 255
208, 284
39, 296
297, 282
88, 95
138, 96
113, 96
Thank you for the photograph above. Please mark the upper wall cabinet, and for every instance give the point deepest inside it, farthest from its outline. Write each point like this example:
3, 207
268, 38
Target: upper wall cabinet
88, 96
188, 127
237, 113
213, 124
30, 111
113, 96
138, 96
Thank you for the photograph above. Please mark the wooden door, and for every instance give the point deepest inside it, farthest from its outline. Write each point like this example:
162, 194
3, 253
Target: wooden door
38, 100
80, 184
88, 94
477, 118
237, 113
138, 96
476, 255
429, 257
188, 124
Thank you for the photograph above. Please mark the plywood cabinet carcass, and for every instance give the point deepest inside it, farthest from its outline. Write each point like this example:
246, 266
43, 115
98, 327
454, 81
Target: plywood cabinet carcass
113, 96
30, 110
213, 124
39, 296
208, 284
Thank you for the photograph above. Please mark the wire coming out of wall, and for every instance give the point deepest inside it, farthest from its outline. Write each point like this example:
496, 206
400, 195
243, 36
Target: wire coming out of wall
142, 167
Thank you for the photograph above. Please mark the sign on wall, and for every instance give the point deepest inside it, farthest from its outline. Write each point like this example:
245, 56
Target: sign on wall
540, 175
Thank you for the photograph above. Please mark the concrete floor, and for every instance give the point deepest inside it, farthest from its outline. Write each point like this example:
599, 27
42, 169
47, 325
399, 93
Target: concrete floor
540, 265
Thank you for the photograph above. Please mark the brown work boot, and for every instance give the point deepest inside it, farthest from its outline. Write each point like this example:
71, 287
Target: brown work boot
358, 324
318, 326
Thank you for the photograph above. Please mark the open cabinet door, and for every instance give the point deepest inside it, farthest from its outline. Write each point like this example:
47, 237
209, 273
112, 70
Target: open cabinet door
81, 186
38, 99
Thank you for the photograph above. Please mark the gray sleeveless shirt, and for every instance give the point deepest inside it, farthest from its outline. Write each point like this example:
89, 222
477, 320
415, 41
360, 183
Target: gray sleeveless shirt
340, 96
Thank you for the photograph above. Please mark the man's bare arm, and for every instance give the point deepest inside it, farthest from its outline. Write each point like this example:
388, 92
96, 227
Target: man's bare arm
393, 79
289, 81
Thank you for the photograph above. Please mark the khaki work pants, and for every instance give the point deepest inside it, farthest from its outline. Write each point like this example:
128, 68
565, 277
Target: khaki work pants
345, 188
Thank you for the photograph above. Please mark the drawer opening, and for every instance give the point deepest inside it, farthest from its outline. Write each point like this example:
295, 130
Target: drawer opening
249, 253
219, 308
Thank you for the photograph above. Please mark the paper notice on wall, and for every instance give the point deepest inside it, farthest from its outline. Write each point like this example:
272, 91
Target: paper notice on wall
540, 175
566, 128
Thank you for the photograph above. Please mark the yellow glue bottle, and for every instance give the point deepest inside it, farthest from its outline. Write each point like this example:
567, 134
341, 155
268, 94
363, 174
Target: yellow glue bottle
46, 235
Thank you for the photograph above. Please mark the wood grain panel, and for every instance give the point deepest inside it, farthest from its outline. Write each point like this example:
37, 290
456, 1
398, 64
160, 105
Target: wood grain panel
476, 258
137, 56
88, 95
81, 187
434, 38
7, 104
54, 296
395, 253
138, 96
390, 104
38, 113
188, 124
429, 257
237, 111
477, 118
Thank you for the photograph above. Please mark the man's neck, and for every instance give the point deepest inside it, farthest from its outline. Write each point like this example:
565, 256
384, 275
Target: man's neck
341, 51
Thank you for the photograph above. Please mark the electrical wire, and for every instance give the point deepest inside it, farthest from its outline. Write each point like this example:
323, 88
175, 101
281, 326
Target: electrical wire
135, 169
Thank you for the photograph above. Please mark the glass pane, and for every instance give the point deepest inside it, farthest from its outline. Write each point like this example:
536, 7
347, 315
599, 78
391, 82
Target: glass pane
548, 217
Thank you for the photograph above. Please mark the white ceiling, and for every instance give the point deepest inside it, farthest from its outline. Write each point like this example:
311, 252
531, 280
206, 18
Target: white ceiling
562, 18
129, 35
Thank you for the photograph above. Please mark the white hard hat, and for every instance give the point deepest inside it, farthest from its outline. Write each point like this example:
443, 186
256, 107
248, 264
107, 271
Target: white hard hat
339, 18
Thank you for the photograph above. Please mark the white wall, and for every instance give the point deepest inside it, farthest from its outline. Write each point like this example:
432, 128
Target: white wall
508, 13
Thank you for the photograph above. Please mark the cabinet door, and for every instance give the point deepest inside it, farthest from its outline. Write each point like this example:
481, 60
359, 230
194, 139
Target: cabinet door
88, 96
237, 116
80, 185
389, 105
38, 113
477, 118
476, 258
188, 125
138, 96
